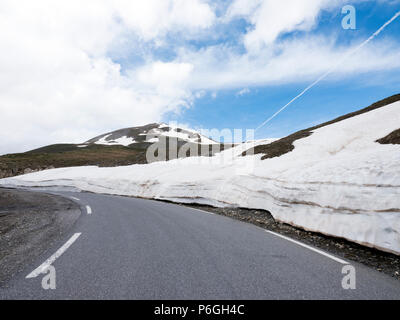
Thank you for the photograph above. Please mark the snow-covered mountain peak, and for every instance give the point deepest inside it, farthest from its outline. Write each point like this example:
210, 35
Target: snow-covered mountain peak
150, 133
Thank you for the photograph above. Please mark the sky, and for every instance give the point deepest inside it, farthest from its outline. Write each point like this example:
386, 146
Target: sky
71, 70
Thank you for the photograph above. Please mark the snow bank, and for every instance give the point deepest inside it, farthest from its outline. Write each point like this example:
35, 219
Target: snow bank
338, 181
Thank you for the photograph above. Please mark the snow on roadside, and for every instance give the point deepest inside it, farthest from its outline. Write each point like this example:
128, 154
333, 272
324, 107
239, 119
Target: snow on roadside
338, 181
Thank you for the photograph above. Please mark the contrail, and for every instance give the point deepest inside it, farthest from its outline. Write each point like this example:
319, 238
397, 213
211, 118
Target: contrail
351, 52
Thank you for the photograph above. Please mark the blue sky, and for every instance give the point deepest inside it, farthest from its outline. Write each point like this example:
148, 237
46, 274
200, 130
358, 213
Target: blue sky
72, 70
329, 99
326, 101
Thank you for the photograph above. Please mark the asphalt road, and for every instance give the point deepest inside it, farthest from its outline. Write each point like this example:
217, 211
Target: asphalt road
132, 248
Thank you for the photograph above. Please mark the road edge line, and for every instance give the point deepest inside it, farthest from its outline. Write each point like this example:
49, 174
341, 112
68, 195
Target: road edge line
309, 247
204, 211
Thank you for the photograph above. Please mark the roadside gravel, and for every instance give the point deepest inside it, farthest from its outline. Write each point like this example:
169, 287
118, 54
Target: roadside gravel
30, 222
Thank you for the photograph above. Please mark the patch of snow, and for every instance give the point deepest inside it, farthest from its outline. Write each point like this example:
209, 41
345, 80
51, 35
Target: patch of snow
164, 125
124, 141
337, 181
187, 135
205, 140
103, 140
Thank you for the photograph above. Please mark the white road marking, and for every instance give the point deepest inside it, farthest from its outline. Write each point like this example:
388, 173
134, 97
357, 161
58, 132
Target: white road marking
74, 198
202, 210
89, 210
45, 265
309, 247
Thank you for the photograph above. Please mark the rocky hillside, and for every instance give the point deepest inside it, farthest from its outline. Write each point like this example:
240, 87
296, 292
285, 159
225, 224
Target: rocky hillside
118, 148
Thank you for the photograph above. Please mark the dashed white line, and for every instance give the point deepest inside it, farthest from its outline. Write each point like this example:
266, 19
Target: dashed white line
45, 265
309, 247
74, 198
89, 210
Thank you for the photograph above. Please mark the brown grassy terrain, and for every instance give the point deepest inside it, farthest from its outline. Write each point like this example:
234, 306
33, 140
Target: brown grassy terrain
70, 155
285, 145
105, 156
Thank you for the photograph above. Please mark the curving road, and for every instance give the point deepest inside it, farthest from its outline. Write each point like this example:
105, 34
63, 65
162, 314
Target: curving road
128, 248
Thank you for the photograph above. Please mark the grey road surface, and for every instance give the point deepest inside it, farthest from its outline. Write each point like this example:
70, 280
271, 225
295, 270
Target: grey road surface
141, 249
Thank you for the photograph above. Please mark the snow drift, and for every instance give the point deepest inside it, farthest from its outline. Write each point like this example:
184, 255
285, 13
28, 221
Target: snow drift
338, 181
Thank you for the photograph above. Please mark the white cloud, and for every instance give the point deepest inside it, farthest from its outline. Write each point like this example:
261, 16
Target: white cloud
271, 18
289, 61
57, 83
243, 92
152, 18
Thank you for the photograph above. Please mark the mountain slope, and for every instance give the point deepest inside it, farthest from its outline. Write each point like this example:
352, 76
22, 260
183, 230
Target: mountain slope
148, 134
285, 145
121, 147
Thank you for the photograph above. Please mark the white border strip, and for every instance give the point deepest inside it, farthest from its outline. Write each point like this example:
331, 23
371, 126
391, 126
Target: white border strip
45, 265
309, 247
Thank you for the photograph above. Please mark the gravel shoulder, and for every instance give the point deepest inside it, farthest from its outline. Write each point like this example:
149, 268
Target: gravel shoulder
30, 223
381, 261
